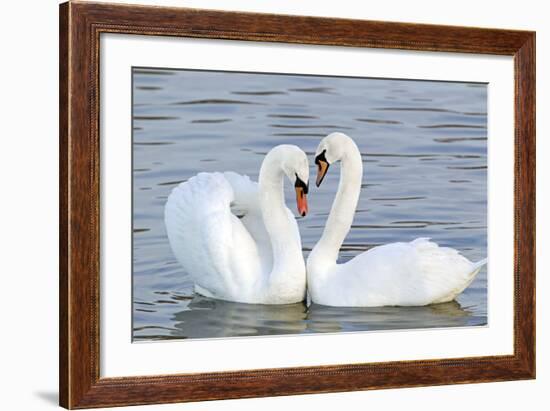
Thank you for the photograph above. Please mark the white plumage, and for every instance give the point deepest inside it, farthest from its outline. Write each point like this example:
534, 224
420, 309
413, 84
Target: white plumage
398, 274
405, 274
216, 229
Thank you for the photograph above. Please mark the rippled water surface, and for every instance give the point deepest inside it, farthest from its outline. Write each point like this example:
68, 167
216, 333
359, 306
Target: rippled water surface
424, 147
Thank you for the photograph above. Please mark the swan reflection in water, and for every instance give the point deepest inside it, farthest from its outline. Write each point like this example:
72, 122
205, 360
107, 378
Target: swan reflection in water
325, 319
209, 318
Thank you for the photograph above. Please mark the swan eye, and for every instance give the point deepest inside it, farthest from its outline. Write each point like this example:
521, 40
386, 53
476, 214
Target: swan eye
300, 184
321, 157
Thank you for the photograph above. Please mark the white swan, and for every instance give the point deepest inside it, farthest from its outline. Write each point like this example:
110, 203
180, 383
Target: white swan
406, 274
236, 238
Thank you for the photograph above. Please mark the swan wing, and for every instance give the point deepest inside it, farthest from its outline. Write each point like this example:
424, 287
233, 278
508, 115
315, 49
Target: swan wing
246, 205
406, 274
245, 199
209, 241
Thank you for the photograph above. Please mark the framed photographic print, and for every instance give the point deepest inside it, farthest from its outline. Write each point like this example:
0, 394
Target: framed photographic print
258, 205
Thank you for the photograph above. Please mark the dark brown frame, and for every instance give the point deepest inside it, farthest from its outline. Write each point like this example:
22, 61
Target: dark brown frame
80, 27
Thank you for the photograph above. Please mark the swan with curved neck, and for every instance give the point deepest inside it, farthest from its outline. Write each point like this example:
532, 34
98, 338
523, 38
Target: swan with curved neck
237, 239
397, 274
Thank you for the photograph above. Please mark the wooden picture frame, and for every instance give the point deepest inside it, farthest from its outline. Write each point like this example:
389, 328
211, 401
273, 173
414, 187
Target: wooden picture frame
80, 27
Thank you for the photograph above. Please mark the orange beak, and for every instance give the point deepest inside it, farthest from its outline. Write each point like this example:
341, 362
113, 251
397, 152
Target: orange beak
301, 201
322, 168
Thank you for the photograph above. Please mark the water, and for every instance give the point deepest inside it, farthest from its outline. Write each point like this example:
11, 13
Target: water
424, 147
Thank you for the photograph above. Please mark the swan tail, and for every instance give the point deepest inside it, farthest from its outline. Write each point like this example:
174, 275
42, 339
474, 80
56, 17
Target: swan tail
476, 267
479, 264
445, 272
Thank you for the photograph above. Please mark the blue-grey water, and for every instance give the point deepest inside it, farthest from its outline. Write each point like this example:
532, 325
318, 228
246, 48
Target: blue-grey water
424, 147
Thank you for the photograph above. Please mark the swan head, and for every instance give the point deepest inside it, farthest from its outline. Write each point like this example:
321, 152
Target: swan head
295, 165
331, 149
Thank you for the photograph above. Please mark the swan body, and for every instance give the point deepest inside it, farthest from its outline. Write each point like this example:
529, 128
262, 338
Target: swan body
236, 238
416, 273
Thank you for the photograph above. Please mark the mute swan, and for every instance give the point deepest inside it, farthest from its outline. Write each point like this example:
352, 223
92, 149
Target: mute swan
256, 258
405, 274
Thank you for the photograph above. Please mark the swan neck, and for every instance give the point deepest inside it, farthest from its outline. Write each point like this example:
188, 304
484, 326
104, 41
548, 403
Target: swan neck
343, 209
287, 249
